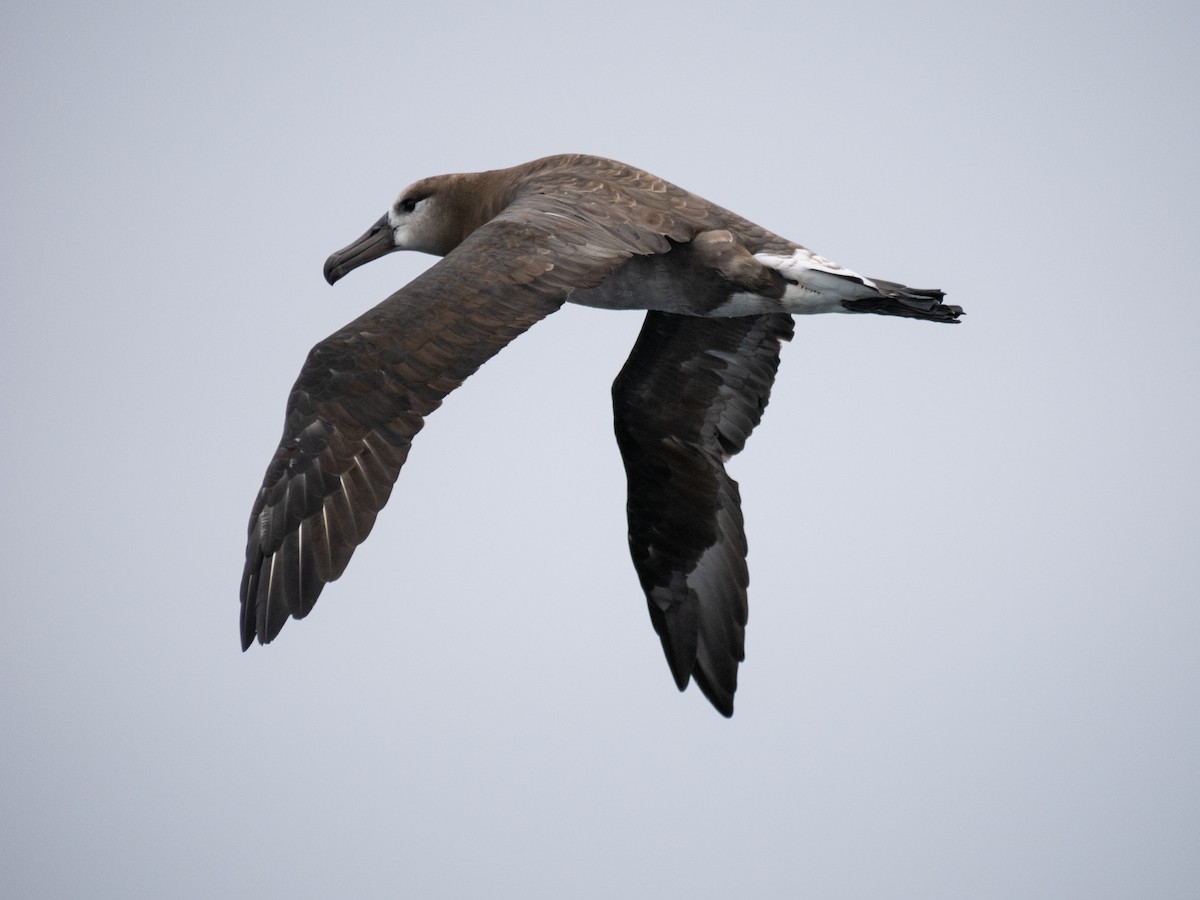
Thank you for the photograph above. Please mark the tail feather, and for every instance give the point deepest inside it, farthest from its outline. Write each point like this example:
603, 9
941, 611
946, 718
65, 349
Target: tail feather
898, 300
819, 285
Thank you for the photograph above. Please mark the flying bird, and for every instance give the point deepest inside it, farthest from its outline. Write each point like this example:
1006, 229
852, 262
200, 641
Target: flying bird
719, 293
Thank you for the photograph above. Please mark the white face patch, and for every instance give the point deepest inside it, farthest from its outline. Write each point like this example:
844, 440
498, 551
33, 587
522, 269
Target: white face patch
405, 226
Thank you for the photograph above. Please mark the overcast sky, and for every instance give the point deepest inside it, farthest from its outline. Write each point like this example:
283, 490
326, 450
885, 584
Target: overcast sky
972, 664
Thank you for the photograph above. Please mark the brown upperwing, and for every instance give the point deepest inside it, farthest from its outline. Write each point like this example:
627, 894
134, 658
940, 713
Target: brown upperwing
365, 391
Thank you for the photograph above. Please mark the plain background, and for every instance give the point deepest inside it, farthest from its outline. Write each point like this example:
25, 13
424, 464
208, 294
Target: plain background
972, 654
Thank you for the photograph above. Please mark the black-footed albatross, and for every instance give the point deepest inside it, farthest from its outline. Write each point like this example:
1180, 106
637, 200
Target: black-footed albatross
517, 244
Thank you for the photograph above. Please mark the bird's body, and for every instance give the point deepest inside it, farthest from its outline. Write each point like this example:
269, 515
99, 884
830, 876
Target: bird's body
720, 293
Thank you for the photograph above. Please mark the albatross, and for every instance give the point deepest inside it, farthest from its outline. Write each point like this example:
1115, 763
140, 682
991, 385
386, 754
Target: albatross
516, 244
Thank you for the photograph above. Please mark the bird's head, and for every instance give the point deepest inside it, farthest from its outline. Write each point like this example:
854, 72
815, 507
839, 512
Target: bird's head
432, 215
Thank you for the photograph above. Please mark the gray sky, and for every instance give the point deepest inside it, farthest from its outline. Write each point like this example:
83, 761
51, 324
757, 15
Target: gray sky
972, 654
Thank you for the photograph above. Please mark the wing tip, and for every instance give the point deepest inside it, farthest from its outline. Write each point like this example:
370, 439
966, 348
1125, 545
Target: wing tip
686, 668
721, 700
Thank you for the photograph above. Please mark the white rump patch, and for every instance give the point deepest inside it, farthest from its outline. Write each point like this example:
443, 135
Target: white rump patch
816, 284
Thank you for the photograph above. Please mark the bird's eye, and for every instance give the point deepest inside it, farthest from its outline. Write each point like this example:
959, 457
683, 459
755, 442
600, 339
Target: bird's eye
408, 204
